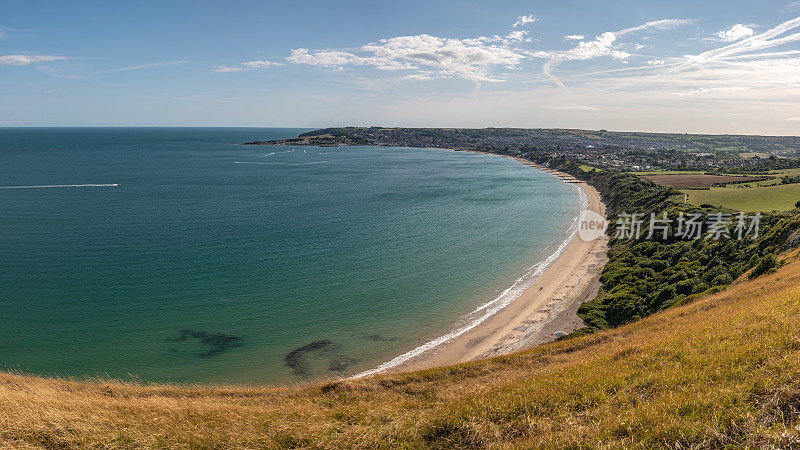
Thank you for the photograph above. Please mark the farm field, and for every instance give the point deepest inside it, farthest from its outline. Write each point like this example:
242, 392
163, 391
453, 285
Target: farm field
695, 180
767, 198
754, 155
790, 172
668, 172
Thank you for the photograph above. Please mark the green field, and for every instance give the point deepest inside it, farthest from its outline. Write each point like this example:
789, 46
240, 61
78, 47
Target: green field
781, 198
754, 155
587, 168
785, 172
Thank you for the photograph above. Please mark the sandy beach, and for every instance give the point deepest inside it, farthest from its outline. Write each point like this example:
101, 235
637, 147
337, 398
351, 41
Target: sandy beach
544, 312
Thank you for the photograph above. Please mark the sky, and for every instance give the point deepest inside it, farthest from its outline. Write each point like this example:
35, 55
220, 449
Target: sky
678, 66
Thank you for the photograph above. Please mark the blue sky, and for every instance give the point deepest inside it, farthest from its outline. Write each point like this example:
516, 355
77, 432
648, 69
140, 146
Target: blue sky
683, 66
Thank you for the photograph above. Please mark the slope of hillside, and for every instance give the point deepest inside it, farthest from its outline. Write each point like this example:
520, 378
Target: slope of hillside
722, 370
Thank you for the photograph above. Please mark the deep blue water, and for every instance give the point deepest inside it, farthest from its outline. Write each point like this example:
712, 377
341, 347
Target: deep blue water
195, 268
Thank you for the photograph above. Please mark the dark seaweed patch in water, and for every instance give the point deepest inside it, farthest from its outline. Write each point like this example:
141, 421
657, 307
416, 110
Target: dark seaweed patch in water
299, 359
296, 358
215, 343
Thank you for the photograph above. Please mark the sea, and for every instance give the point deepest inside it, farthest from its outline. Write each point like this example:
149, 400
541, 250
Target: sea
178, 255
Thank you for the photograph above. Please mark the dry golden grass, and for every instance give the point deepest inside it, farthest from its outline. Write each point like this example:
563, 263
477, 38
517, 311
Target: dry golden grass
723, 370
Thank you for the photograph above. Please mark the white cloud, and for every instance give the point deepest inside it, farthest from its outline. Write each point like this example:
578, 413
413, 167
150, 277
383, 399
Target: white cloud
24, 60
249, 65
735, 33
419, 77
655, 62
524, 20
601, 46
227, 69
516, 35
322, 58
574, 37
258, 64
431, 56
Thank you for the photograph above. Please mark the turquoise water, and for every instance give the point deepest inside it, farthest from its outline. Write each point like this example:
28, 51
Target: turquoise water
321, 262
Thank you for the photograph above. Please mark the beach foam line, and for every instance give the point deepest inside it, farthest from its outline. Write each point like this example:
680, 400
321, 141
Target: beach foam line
490, 308
280, 164
49, 186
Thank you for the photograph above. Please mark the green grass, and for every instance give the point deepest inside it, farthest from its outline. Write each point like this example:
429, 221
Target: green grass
587, 168
785, 172
766, 198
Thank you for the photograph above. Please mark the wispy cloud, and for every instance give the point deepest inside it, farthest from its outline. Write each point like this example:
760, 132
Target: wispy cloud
524, 20
745, 48
574, 37
701, 91
576, 108
602, 45
228, 69
249, 65
24, 60
140, 67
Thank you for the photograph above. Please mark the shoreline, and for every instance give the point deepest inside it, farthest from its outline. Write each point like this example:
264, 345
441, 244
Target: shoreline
540, 314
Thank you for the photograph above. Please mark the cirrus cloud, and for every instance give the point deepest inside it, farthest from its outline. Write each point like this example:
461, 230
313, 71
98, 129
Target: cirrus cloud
24, 60
249, 65
602, 45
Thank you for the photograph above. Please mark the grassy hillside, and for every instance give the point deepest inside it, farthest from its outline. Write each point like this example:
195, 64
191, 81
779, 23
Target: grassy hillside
722, 370
767, 198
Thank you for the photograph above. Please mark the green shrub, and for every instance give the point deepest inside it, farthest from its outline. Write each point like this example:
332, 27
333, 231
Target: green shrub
765, 265
722, 280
